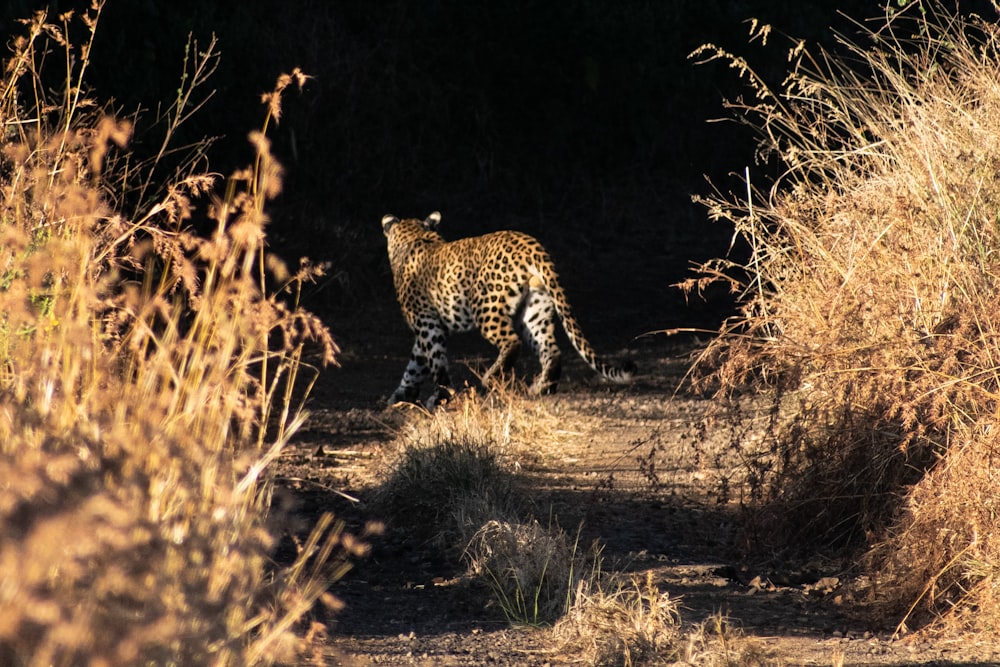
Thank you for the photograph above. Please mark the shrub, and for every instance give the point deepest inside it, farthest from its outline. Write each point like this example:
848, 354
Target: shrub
868, 303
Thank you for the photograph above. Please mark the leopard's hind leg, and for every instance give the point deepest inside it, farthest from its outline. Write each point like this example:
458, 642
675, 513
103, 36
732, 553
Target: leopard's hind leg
499, 330
537, 319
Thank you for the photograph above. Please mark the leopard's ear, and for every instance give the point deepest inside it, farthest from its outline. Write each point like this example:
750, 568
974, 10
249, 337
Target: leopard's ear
432, 221
388, 220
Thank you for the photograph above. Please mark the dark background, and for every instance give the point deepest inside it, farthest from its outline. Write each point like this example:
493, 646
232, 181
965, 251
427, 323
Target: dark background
582, 122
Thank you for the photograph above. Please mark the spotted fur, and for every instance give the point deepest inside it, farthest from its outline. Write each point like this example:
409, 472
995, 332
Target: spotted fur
502, 284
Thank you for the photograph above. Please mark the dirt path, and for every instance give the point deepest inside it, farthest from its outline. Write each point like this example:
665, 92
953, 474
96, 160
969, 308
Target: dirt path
625, 465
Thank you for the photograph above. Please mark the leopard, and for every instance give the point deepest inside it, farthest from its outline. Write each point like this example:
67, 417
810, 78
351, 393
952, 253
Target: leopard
503, 284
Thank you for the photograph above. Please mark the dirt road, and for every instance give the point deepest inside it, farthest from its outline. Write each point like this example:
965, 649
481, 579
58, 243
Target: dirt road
637, 467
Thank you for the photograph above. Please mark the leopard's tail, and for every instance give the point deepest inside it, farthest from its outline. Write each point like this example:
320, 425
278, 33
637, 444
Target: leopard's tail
620, 374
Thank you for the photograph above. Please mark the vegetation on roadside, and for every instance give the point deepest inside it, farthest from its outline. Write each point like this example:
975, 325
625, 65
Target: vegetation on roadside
150, 376
868, 308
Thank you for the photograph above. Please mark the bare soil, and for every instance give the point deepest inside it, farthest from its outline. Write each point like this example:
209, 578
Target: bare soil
637, 466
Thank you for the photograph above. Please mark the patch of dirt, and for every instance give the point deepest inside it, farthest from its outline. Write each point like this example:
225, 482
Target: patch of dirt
626, 468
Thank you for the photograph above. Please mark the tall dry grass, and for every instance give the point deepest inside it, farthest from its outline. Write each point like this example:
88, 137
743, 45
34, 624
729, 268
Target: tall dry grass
869, 306
149, 379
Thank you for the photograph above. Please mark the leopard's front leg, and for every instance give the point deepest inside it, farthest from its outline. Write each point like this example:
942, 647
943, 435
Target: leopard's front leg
429, 355
413, 376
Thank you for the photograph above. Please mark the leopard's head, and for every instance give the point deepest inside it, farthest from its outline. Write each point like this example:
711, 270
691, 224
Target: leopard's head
407, 235
430, 223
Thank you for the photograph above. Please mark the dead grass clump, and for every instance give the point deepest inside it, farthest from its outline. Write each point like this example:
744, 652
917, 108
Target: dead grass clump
626, 621
453, 481
455, 469
138, 417
868, 297
533, 570
716, 643
622, 621
444, 489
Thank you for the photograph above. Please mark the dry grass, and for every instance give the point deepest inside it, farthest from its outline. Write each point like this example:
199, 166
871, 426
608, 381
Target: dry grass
868, 304
716, 643
941, 560
626, 621
453, 469
622, 621
453, 481
147, 385
533, 570
443, 491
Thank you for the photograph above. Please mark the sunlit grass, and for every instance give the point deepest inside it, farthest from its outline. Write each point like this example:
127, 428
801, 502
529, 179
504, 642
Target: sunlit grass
146, 387
868, 305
